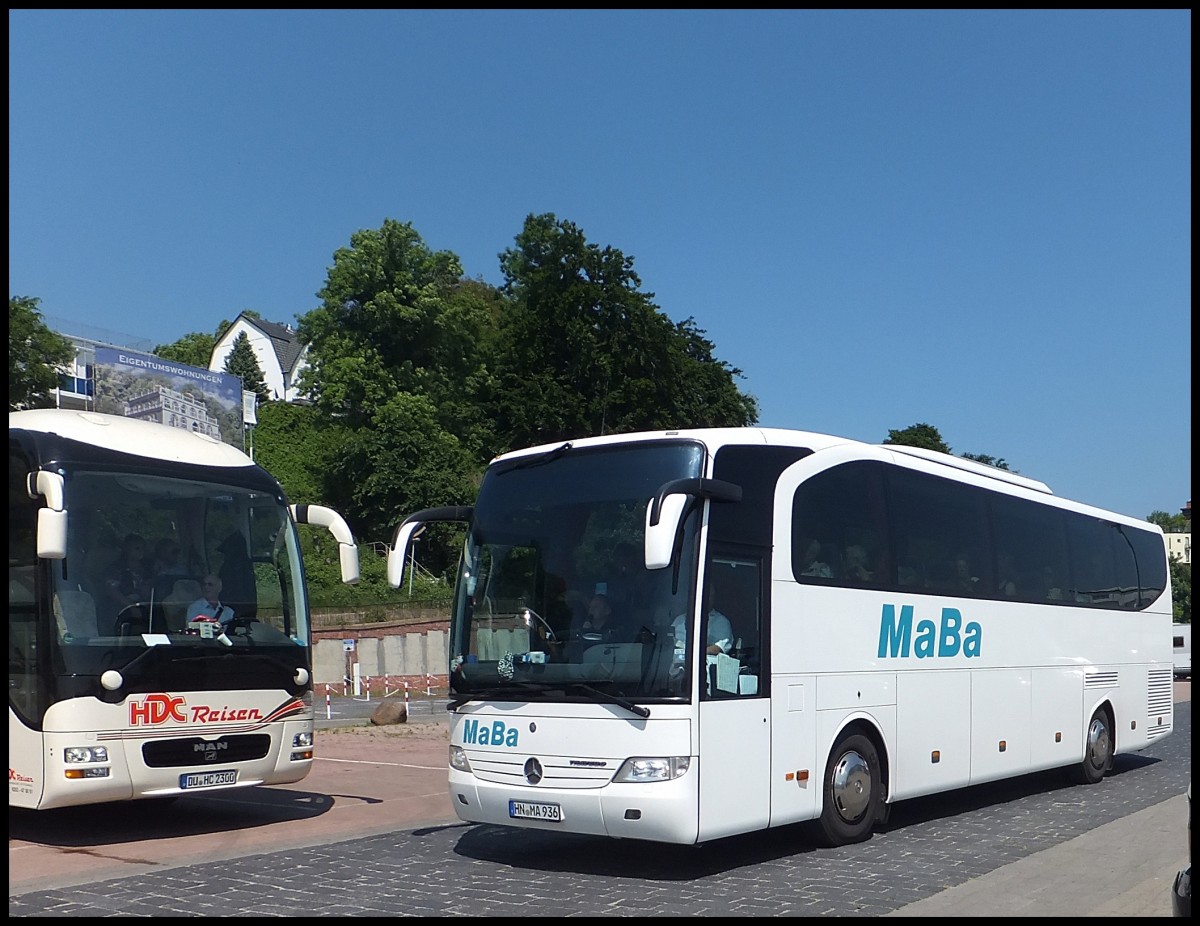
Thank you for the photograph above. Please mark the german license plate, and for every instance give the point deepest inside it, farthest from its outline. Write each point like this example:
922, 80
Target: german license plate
529, 810
208, 779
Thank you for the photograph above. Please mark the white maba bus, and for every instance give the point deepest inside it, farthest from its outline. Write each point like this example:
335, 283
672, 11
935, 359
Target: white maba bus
878, 622
120, 684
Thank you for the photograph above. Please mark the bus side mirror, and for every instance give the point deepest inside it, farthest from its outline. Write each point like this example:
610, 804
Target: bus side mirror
665, 511
660, 536
52, 520
410, 528
329, 519
398, 554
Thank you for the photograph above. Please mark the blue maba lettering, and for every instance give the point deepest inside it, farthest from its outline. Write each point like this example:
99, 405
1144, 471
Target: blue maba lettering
951, 638
480, 734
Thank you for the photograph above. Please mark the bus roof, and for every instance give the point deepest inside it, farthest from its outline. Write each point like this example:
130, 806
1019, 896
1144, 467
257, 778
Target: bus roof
715, 438
970, 466
130, 435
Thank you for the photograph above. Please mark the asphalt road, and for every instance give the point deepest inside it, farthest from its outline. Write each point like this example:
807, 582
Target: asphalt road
340, 845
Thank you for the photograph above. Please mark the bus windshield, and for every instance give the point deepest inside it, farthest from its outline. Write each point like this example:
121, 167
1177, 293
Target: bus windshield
553, 601
183, 567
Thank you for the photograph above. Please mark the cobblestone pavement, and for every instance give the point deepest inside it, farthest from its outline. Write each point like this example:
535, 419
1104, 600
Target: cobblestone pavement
466, 869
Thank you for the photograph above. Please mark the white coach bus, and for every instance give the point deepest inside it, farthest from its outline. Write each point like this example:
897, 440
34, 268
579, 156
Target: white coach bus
118, 687
878, 623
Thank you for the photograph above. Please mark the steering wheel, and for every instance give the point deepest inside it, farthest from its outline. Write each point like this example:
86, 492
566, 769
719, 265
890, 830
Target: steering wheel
128, 621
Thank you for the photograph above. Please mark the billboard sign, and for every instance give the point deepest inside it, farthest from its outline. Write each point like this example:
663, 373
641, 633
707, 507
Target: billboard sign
144, 386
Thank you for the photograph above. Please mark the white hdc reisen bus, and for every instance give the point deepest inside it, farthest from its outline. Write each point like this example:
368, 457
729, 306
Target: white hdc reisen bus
879, 622
114, 693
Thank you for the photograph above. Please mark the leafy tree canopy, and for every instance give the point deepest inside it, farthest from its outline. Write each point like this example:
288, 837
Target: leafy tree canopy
290, 444
35, 355
193, 349
988, 459
919, 435
1176, 523
1181, 591
400, 462
928, 437
582, 350
393, 319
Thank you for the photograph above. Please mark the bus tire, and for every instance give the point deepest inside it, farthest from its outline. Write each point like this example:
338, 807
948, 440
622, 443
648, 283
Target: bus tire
852, 790
1098, 749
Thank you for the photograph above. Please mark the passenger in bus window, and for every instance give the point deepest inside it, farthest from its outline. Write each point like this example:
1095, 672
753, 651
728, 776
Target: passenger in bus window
168, 559
963, 579
813, 563
856, 564
128, 580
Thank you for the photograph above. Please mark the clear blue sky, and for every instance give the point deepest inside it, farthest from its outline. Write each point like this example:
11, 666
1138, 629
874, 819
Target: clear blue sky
976, 220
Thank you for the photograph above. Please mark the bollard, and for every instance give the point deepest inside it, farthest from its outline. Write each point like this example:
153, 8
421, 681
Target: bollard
428, 685
406, 695
328, 714
368, 688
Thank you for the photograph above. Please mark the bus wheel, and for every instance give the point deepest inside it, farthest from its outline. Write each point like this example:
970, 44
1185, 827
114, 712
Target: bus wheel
1097, 749
852, 789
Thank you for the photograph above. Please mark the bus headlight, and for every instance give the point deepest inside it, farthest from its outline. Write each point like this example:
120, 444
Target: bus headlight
641, 769
302, 746
76, 754
458, 759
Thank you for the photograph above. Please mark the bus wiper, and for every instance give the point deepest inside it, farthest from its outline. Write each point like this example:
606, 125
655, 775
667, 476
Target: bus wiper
112, 680
596, 694
606, 698
492, 691
547, 457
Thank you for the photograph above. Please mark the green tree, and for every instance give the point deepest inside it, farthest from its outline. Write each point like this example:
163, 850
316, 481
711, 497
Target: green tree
919, 435
35, 355
291, 444
1181, 591
397, 317
398, 362
404, 461
582, 350
242, 362
988, 459
1171, 523
193, 349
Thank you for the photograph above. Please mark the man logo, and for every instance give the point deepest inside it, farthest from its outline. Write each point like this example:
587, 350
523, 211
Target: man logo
210, 750
533, 771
